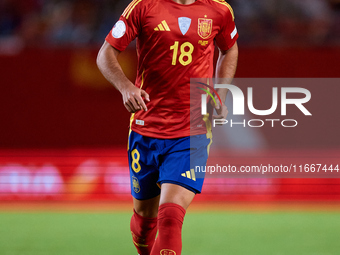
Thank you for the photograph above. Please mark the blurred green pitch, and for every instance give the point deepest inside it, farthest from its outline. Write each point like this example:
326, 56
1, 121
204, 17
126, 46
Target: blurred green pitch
216, 233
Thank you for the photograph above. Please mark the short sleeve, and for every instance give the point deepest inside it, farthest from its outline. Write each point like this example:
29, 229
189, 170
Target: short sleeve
228, 34
127, 27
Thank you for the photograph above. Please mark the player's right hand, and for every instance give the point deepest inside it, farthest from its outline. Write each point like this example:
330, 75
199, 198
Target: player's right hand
221, 110
133, 98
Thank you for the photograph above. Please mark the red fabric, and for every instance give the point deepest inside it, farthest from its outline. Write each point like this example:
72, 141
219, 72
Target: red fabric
170, 221
143, 232
168, 56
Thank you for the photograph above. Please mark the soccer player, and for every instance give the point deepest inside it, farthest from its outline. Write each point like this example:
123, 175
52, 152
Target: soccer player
175, 42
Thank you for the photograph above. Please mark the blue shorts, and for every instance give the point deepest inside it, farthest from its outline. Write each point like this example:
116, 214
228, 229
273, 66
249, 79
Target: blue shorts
155, 161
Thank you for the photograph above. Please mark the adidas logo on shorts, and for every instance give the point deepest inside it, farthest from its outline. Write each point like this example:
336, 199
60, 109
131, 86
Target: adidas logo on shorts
190, 174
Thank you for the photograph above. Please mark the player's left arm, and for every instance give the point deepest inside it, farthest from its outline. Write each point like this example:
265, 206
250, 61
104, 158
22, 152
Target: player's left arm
225, 72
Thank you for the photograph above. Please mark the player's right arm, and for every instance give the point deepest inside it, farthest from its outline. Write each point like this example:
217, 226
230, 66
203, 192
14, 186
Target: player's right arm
108, 65
228, 56
126, 29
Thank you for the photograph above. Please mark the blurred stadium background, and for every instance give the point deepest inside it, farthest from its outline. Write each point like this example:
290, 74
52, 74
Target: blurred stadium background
63, 133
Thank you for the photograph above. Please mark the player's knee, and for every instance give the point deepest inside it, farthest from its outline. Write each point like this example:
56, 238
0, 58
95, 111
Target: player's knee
147, 208
176, 194
146, 212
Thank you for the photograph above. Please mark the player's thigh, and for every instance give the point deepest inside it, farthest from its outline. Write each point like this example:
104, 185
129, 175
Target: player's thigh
179, 164
173, 193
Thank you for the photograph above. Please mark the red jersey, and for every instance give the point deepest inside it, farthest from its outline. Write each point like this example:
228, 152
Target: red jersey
175, 42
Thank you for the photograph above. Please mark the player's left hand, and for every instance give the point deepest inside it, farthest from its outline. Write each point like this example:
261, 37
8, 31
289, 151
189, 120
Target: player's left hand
221, 110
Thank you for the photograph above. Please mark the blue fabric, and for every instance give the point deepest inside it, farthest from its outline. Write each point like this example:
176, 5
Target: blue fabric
155, 161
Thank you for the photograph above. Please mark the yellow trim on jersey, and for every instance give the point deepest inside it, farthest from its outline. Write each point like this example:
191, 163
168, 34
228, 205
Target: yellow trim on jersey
133, 7
228, 5
133, 114
208, 127
131, 120
141, 86
128, 7
209, 132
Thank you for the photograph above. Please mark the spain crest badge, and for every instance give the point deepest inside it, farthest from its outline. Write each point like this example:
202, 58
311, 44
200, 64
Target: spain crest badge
204, 27
135, 184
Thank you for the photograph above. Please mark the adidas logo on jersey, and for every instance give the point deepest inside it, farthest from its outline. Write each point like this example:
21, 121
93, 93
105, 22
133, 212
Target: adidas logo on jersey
163, 26
190, 174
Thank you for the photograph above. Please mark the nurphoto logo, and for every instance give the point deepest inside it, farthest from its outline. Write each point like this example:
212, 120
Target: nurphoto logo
239, 105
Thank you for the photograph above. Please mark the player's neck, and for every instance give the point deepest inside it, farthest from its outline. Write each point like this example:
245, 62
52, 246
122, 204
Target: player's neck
184, 1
